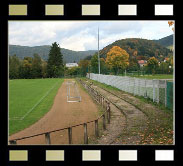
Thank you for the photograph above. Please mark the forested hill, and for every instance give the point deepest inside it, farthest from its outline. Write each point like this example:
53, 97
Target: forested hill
166, 41
134, 46
69, 56
139, 47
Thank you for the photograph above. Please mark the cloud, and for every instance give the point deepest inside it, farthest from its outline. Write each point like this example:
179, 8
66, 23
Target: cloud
79, 42
82, 35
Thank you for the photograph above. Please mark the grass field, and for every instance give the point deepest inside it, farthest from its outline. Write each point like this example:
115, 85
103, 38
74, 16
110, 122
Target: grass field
29, 100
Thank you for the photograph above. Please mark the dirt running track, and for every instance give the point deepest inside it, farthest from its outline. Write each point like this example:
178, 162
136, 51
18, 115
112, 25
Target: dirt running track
62, 114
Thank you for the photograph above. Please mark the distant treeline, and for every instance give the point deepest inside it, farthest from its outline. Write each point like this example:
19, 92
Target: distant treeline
35, 67
115, 61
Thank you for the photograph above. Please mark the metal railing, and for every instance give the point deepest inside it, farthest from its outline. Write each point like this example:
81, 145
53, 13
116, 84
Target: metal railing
100, 99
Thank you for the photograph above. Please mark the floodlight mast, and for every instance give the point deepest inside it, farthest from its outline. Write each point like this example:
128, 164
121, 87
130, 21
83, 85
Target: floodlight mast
98, 54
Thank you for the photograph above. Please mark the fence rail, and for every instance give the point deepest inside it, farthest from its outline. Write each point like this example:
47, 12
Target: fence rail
154, 89
105, 116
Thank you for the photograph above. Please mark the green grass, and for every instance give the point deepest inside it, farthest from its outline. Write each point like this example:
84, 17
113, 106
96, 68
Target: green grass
31, 99
156, 76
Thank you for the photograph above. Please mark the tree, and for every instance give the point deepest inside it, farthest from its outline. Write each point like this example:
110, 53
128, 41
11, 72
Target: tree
152, 65
94, 64
164, 67
73, 71
25, 69
44, 69
88, 57
55, 61
36, 66
14, 65
117, 58
84, 66
133, 64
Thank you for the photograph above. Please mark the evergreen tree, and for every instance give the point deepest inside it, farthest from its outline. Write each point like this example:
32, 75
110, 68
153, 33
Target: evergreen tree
55, 61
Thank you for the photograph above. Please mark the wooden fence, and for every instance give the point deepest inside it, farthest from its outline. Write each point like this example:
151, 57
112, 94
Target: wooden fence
100, 99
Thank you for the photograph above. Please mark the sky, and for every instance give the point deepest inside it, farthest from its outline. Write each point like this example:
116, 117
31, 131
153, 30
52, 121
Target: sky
83, 35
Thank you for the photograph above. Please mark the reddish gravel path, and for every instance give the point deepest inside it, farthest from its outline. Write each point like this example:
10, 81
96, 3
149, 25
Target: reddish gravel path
62, 114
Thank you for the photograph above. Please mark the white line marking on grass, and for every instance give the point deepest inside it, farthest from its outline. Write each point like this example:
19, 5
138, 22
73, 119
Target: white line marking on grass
15, 118
38, 102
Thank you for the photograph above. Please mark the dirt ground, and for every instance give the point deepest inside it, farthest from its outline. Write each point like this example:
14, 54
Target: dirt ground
114, 129
62, 114
128, 128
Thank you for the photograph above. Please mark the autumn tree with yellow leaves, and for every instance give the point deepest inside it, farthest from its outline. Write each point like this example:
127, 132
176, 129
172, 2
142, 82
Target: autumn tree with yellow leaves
117, 58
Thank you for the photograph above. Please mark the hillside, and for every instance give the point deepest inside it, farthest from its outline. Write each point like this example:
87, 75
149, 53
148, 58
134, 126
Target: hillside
69, 56
139, 47
166, 41
134, 46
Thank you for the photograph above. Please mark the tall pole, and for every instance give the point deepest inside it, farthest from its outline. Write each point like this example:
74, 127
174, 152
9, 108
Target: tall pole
98, 54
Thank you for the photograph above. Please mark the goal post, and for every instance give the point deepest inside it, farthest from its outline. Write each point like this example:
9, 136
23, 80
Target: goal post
73, 94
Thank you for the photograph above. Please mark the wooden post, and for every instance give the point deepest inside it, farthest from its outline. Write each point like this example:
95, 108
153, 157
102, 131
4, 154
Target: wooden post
85, 134
47, 138
96, 128
106, 104
108, 113
13, 142
104, 124
70, 135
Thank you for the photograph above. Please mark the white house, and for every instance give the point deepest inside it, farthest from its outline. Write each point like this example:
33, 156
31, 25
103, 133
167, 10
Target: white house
69, 65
